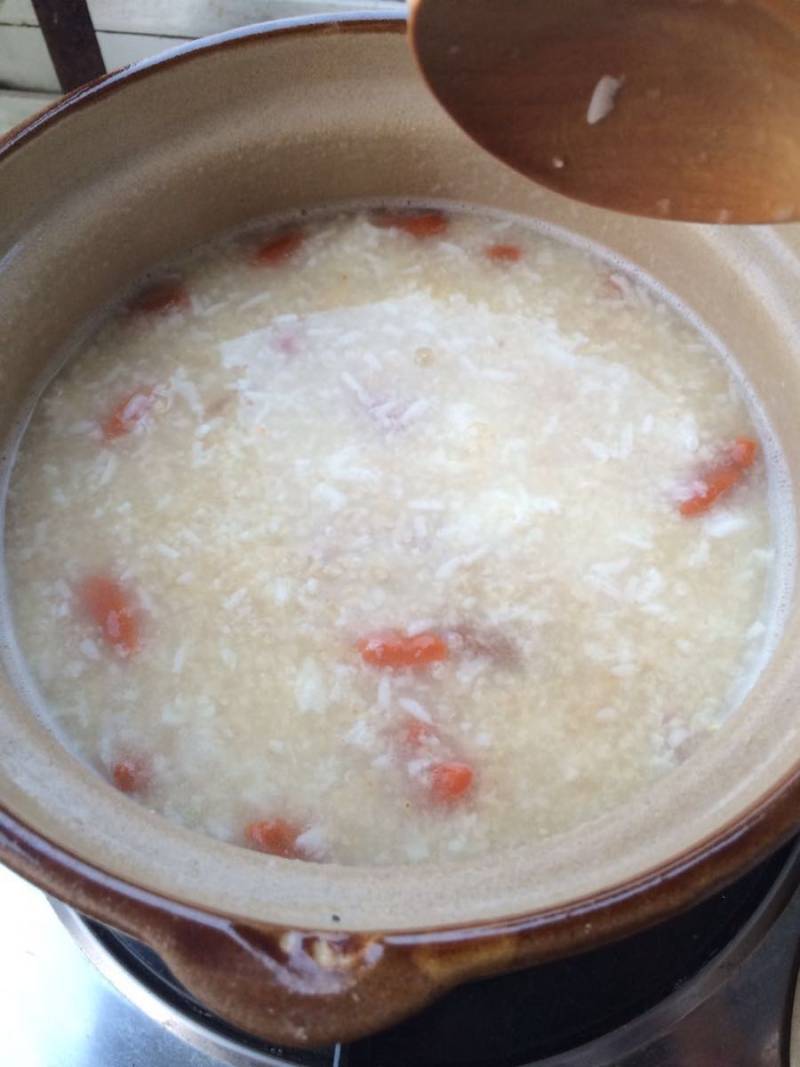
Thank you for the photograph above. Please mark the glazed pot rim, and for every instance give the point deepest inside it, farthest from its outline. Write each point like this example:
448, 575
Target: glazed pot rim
735, 848
582, 922
364, 21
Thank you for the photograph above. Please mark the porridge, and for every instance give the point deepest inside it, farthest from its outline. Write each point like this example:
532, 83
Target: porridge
388, 537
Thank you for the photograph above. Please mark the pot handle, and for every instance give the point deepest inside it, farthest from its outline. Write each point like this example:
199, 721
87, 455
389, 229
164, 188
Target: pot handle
300, 988
290, 987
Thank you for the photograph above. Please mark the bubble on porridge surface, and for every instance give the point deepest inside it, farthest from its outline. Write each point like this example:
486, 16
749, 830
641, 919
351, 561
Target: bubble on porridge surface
308, 483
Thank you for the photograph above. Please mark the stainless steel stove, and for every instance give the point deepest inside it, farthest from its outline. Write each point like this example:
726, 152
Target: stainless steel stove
713, 988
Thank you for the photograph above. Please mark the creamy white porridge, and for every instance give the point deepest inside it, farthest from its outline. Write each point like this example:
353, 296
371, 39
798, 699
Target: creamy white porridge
389, 538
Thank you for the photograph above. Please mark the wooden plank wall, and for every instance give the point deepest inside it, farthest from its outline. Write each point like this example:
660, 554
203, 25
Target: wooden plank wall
129, 30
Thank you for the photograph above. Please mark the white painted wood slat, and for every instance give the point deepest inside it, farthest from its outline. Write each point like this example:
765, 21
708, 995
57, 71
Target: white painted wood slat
24, 59
17, 13
15, 107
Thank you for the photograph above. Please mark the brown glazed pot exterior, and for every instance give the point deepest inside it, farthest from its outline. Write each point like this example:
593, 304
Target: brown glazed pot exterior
146, 163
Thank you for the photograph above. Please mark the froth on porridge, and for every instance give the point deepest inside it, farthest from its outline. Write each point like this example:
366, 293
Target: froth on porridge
390, 536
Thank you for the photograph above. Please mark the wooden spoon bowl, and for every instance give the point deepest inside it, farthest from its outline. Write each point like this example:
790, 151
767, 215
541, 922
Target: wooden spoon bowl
705, 122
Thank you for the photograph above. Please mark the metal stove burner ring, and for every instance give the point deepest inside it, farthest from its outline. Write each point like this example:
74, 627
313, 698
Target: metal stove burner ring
179, 1022
754, 976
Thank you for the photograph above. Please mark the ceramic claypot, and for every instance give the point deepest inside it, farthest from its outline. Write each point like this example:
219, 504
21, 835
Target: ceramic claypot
133, 170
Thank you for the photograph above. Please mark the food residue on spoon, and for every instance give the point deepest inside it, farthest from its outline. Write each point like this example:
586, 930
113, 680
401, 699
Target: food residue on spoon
603, 98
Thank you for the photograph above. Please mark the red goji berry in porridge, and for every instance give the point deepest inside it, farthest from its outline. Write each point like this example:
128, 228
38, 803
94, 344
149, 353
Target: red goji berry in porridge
392, 536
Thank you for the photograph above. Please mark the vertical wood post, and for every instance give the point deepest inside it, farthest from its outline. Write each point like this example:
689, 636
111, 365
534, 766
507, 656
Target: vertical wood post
71, 41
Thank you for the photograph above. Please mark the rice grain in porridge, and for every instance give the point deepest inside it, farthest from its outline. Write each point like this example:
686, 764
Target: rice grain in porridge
391, 537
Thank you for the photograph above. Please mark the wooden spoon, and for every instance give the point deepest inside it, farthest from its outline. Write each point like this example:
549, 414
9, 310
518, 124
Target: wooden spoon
681, 109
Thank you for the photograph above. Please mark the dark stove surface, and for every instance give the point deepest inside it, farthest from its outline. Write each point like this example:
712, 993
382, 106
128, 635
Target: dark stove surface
516, 1019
